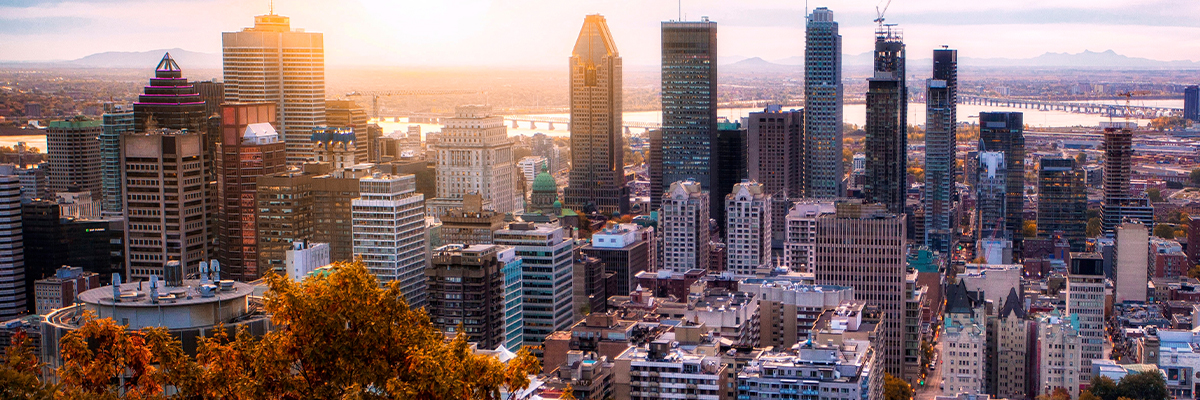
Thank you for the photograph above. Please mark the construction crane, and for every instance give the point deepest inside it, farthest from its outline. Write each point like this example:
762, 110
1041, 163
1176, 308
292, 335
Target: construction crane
376, 95
879, 14
1128, 96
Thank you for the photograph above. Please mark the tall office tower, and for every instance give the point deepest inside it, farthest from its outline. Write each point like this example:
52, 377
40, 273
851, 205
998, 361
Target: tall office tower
964, 342
14, 299
212, 93
1132, 266
887, 124
271, 62
117, 121
730, 159
1010, 364
514, 314
823, 106
1005, 132
597, 149
775, 149
389, 232
689, 102
547, 283
475, 155
654, 167
683, 219
249, 148
466, 290
1060, 344
991, 197
624, 251
1062, 201
165, 201
348, 114
1119, 204
169, 101
748, 242
73, 148
941, 118
1191, 103
1085, 300
863, 246
799, 251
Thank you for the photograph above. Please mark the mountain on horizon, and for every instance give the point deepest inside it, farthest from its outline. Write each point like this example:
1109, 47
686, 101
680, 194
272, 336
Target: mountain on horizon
148, 59
1085, 59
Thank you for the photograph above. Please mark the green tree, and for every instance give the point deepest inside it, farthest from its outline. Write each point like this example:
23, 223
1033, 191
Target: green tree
1194, 272
1093, 227
1148, 385
1195, 177
1104, 388
1081, 159
896, 389
1155, 194
1059, 393
1165, 231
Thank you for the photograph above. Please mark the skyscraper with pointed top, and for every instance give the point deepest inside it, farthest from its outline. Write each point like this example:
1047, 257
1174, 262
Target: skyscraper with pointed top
597, 149
822, 106
887, 123
169, 101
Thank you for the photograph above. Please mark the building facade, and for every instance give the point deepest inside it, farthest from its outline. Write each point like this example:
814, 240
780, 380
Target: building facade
624, 252
1120, 205
250, 147
546, 281
597, 177
14, 295
991, 197
116, 121
689, 102
475, 155
1086, 304
1130, 270
1062, 201
748, 229
941, 147
466, 290
1005, 132
775, 158
1060, 353
730, 157
389, 232
887, 124
683, 218
799, 250
170, 101
73, 149
964, 342
823, 105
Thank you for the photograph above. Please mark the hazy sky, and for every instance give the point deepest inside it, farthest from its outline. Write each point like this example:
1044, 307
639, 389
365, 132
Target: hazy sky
542, 32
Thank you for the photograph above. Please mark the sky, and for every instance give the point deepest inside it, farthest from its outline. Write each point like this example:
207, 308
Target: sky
527, 33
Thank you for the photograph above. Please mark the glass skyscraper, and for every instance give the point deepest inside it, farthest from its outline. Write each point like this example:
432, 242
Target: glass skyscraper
822, 106
887, 123
1005, 132
597, 178
689, 102
940, 147
117, 121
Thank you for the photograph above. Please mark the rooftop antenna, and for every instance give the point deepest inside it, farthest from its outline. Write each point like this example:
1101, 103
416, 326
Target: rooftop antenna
271, 7
680, 16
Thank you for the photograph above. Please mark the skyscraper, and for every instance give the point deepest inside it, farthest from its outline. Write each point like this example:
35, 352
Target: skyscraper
14, 299
73, 148
1085, 301
348, 114
823, 106
775, 159
169, 101
991, 200
1005, 132
887, 123
748, 242
683, 218
466, 290
730, 158
1062, 201
689, 102
1119, 204
1191, 103
249, 148
941, 118
389, 232
597, 149
271, 62
654, 167
475, 155
547, 283
863, 246
117, 121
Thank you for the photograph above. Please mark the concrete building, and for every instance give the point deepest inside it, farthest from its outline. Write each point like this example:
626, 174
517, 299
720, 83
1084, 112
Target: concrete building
304, 258
748, 229
664, 370
310, 204
116, 121
1131, 266
689, 103
941, 146
166, 201
73, 150
547, 284
1011, 362
624, 251
775, 159
1062, 201
271, 62
964, 342
466, 290
844, 238
1086, 304
799, 249
1120, 205
991, 197
788, 311
389, 232
597, 177
347, 114
1060, 353
822, 105
530, 166
249, 148
14, 298
683, 218
887, 124
470, 224
475, 155
589, 285
1004, 132
60, 290
35, 184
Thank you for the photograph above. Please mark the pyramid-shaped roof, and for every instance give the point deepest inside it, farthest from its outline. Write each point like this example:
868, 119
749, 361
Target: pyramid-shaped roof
167, 64
595, 42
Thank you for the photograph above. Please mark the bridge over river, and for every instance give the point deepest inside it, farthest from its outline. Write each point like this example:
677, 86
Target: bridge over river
1109, 110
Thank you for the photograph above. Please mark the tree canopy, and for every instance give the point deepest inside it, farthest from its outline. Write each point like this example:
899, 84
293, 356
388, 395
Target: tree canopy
896, 389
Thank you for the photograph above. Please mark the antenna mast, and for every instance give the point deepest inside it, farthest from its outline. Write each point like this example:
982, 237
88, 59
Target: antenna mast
271, 7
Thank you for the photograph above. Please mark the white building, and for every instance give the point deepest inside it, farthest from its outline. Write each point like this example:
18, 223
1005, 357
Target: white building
684, 221
666, 370
388, 222
475, 155
1085, 300
964, 342
304, 258
800, 243
12, 249
1060, 354
748, 229
530, 166
1132, 265
547, 266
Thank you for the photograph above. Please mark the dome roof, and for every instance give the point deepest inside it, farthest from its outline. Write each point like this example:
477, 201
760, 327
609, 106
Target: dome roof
544, 183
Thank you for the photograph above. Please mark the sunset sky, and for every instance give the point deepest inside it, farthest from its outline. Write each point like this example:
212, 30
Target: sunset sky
542, 32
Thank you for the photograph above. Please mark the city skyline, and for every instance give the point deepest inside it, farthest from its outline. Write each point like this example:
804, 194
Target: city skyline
374, 32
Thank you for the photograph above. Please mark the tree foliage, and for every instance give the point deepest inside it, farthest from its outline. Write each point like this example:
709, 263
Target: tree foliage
1148, 385
1094, 225
1195, 177
1103, 388
19, 372
1165, 231
1059, 393
896, 389
1029, 229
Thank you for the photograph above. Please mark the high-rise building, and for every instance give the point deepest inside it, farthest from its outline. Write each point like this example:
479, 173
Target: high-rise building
597, 176
788, 311
514, 314
34, 182
73, 149
1085, 301
964, 342
475, 155
348, 114
991, 197
730, 159
389, 232
169, 101
273, 63
1005, 132
748, 226
117, 121
689, 102
547, 284
887, 124
14, 298
941, 147
654, 167
466, 290
312, 204
623, 252
1191, 103
823, 106
799, 251
165, 201
1060, 347
1132, 265
249, 148
1119, 204
1011, 362
1062, 201
775, 150
471, 224
683, 218
212, 93
863, 246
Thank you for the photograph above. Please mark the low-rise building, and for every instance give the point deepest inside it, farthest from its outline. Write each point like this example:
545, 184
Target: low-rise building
667, 370
60, 290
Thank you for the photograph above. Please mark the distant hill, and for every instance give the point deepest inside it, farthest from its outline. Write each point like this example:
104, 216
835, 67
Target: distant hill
757, 64
1086, 59
148, 59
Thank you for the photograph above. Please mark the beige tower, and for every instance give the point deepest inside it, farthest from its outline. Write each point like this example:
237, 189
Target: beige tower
475, 155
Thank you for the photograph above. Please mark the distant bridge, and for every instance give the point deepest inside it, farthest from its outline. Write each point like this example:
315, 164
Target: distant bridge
1109, 110
549, 123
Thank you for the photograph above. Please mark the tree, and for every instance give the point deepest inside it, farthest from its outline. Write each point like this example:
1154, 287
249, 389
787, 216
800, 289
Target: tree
1155, 194
1165, 231
896, 389
19, 372
1081, 159
1104, 388
1029, 229
1093, 227
1194, 272
1086, 395
1195, 176
1059, 393
1148, 385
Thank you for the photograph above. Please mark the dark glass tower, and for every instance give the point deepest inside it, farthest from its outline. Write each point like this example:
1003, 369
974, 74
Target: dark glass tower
730, 150
887, 123
689, 102
1120, 205
169, 101
597, 178
1062, 201
822, 106
1191, 103
1005, 132
941, 116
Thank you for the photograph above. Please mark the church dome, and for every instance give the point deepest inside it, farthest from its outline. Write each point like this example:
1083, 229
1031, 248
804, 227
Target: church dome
545, 183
